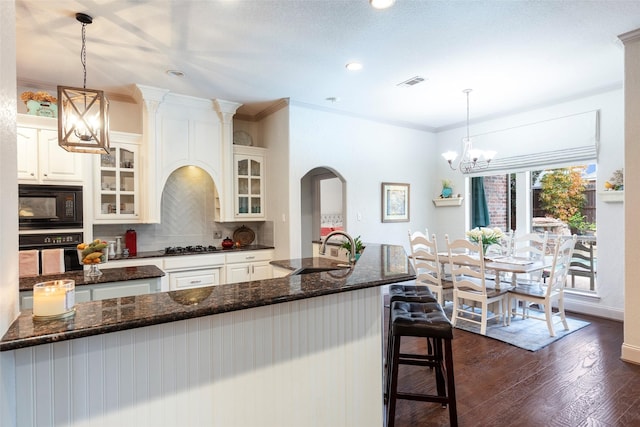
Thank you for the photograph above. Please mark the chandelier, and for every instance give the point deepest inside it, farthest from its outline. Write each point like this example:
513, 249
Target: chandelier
83, 116
471, 159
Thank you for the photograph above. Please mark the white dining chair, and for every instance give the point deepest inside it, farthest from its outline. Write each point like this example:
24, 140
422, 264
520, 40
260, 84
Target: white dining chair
466, 261
531, 246
550, 291
426, 262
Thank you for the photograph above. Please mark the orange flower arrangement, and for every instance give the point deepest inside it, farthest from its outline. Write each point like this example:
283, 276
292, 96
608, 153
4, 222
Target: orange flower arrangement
39, 96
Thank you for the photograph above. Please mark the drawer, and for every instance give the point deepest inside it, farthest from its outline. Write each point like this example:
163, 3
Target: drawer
194, 278
249, 256
192, 261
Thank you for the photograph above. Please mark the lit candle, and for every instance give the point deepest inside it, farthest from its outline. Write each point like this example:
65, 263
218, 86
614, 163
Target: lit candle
53, 298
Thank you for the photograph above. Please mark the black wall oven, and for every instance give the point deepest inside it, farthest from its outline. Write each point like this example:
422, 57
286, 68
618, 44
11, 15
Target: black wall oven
49, 206
53, 240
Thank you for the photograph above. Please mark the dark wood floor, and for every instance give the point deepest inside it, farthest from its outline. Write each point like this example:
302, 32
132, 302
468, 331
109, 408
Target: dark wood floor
576, 381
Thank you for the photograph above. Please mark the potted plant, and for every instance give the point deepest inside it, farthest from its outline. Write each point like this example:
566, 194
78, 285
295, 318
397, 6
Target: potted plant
578, 225
447, 189
359, 246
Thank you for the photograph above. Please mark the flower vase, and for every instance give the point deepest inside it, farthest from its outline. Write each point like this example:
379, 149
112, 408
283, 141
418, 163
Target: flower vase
447, 192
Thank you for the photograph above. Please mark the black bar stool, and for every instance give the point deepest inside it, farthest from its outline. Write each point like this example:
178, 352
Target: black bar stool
408, 291
425, 320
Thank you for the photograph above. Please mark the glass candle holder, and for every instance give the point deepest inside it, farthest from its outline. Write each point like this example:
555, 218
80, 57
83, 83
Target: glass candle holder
54, 299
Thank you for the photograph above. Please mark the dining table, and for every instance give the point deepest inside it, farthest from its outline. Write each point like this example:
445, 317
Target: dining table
506, 264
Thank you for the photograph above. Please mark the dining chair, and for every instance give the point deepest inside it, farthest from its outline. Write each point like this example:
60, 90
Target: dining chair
466, 260
502, 249
426, 262
583, 263
549, 291
532, 246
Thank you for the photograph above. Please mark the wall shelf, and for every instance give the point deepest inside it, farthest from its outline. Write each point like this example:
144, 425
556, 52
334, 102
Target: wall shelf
611, 196
451, 201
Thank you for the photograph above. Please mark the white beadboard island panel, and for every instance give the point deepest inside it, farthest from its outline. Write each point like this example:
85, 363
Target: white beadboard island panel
311, 362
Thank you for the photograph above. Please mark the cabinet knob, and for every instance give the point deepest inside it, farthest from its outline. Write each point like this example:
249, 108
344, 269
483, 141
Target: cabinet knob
32, 174
46, 174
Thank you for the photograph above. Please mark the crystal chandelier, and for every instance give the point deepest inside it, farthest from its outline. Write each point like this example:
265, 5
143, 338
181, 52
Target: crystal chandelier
83, 118
471, 158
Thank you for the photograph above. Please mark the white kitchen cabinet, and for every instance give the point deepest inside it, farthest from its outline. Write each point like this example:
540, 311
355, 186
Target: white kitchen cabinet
26, 298
125, 289
40, 159
195, 278
194, 271
102, 291
117, 189
249, 164
249, 265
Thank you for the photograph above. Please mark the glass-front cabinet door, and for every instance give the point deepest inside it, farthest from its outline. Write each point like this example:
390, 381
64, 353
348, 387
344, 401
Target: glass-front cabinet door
249, 182
117, 196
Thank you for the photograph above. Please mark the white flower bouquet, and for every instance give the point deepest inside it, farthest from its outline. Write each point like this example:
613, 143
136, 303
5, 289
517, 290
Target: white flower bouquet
488, 236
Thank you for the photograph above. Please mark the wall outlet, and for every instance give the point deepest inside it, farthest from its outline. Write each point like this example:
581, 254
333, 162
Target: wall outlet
334, 252
217, 234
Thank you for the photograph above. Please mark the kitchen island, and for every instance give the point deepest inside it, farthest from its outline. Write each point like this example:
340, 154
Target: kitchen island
302, 350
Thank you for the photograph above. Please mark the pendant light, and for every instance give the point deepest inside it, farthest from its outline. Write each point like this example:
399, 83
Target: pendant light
83, 114
471, 158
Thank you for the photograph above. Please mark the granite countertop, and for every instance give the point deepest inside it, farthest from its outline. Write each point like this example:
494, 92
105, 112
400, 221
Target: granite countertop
378, 265
108, 275
160, 253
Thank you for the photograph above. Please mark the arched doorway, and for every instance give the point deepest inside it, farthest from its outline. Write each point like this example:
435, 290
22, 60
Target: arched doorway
322, 206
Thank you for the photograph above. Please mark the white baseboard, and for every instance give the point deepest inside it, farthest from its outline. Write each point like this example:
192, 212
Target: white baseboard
630, 354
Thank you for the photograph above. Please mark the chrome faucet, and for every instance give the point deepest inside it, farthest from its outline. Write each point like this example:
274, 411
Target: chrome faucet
352, 252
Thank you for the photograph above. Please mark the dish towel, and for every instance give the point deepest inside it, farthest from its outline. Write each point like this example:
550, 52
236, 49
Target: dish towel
29, 263
52, 261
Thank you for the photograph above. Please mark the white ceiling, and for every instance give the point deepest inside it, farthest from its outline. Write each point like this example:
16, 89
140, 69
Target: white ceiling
515, 55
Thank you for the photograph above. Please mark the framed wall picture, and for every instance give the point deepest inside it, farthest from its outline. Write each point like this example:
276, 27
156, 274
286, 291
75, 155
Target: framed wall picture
395, 202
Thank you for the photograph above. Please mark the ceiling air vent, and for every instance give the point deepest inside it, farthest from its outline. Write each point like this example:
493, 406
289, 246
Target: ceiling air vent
411, 82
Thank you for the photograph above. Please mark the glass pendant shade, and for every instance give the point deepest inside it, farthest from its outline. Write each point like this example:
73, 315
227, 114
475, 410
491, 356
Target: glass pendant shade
83, 120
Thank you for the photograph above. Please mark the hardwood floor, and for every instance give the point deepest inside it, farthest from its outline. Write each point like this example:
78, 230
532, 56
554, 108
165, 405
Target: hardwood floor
576, 381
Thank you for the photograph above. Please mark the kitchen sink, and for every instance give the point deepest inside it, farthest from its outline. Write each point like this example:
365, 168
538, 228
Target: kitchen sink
309, 270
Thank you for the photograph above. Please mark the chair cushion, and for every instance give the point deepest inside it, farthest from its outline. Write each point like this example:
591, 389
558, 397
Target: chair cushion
410, 293
530, 290
420, 320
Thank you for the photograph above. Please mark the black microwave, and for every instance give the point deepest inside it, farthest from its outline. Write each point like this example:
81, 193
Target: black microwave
49, 206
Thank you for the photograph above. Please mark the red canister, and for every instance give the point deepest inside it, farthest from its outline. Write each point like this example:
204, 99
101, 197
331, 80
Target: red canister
131, 241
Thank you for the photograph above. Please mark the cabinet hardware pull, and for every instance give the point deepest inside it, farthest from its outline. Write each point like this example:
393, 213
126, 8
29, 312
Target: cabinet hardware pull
250, 257
193, 282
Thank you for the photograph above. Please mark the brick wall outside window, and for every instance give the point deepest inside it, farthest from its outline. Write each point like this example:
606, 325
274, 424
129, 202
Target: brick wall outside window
495, 190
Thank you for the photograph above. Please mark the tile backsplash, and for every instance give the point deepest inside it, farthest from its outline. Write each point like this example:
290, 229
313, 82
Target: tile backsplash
188, 214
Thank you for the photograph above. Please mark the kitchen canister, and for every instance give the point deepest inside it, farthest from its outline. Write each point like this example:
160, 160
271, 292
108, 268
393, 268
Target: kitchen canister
54, 299
131, 241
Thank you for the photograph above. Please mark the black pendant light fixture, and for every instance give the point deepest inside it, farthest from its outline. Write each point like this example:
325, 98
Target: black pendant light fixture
83, 114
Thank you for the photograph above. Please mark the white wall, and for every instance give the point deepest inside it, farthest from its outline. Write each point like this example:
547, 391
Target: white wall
610, 218
366, 154
275, 136
9, 210
331, 196
631, 345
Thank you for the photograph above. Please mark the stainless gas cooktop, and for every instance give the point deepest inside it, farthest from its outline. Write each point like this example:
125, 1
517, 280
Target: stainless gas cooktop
189, 249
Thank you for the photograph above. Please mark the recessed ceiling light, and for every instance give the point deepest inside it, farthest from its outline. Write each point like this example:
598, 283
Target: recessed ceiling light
175, 73
354, 66
381, 4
